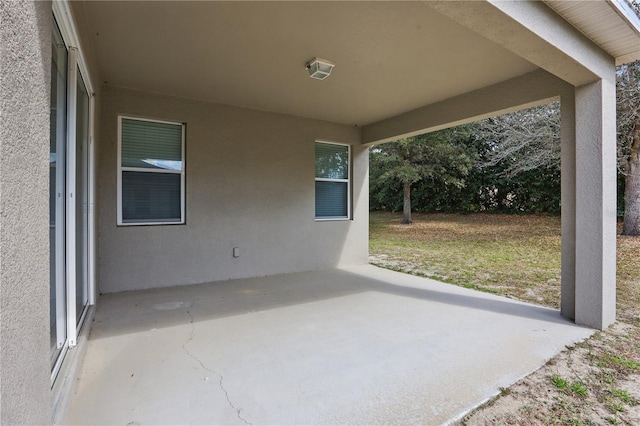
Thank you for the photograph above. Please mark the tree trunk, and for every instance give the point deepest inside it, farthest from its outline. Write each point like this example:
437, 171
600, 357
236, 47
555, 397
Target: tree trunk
406, 205
632, 197
632, 187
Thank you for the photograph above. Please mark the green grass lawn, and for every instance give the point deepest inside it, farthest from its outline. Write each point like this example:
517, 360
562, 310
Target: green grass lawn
519, 257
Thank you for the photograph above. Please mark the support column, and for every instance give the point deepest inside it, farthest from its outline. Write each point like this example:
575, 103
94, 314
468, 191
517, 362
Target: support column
568, 201
595, 219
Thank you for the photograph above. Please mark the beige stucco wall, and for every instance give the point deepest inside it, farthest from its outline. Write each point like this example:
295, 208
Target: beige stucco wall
25, 64
249, 184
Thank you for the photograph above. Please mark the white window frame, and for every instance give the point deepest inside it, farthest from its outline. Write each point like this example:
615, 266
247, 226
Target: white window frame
347, 181
145, 170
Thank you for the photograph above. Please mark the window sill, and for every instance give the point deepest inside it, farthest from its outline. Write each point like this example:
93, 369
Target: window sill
332, 219
150, 223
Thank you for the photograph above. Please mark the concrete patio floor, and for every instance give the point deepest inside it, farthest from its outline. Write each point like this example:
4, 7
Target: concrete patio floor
359, 345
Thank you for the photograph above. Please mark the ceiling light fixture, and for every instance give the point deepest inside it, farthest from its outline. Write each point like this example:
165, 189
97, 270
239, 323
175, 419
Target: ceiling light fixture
319, 68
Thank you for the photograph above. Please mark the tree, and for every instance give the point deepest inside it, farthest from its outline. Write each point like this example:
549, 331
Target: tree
523, 140
401, 161
628, 110
437, 158
522, 157
530, 139
505, 164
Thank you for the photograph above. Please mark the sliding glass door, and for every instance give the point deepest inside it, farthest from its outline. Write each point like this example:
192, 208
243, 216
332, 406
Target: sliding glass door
69, 199
57, 191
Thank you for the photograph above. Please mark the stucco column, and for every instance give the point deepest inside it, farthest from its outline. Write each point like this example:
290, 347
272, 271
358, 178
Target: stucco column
568, 201
25, 66
595, 220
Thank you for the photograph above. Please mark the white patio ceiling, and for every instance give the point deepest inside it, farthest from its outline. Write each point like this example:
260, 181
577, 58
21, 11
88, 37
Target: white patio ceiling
391, 57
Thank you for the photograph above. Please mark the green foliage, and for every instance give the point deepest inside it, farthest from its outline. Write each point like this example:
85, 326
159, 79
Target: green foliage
559, 382
623, 362
436, 165
449, 173
624, 396
616, 407
579, 388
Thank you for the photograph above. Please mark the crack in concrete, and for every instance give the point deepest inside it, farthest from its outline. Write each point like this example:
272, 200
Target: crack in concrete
220, 377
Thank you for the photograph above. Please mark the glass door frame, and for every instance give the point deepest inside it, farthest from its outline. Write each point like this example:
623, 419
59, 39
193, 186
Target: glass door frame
58, 246
63, 17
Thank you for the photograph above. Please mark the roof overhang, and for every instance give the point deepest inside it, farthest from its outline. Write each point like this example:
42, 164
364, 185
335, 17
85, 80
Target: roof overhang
613, 25
393, 59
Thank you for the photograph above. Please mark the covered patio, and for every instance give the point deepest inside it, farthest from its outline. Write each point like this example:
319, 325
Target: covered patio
356, 345
176, 174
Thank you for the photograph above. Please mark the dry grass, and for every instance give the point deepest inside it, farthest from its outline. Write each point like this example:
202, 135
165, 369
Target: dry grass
628, 275
516, 256
519, 257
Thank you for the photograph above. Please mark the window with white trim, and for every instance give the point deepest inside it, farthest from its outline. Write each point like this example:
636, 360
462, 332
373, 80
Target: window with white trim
150, 172
333, 183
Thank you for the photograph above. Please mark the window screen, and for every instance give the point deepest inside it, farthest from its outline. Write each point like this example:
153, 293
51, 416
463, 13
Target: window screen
332, 181
151, 172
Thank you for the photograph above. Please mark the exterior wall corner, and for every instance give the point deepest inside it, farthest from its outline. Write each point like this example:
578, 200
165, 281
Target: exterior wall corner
25, 64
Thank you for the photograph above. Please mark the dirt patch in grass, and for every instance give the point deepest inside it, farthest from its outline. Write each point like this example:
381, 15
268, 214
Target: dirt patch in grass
596, 382
591, 383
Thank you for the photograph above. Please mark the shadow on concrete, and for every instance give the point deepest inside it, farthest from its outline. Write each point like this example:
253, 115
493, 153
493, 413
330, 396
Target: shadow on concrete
358, 345
130, 312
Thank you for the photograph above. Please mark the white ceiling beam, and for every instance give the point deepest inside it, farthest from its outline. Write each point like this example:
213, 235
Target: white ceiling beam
535, 88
